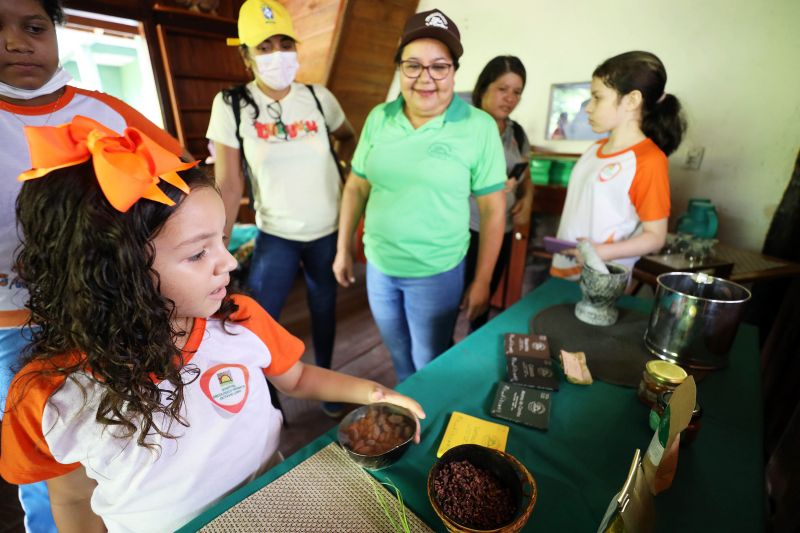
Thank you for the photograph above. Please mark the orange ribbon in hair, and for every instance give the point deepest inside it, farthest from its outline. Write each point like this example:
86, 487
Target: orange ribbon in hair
128, 166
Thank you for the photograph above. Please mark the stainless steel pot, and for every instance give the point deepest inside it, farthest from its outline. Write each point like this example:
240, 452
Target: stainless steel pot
695, 318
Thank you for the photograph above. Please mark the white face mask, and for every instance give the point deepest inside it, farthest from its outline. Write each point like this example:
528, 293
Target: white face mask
59, 79
277, 69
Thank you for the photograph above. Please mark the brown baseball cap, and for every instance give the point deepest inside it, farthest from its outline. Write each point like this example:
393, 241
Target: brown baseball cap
435, 25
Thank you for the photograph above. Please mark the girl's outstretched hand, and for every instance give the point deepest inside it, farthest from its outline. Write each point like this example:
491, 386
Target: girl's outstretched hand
382, 394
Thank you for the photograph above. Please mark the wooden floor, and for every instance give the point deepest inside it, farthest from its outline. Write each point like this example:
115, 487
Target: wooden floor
358, 351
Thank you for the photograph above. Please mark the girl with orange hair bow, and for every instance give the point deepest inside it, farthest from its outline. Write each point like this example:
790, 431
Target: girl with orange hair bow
143, 399
34, 91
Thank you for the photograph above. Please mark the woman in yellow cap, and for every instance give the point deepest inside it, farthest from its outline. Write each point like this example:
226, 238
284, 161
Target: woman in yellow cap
276, 130
417, 162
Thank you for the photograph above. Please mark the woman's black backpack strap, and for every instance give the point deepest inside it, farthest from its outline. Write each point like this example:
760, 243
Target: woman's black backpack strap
328, 133
236, 106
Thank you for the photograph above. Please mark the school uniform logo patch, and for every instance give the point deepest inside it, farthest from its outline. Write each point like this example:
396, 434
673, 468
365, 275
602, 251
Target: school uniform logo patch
227, 386
609, 172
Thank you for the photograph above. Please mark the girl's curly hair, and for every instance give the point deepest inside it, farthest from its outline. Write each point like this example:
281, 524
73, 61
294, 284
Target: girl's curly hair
93, 291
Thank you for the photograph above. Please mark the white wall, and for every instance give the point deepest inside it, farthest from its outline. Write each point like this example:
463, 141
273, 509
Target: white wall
734, 65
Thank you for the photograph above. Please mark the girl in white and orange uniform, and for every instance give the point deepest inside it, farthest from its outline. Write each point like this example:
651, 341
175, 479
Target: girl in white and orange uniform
142, 400
34, 92
618, 196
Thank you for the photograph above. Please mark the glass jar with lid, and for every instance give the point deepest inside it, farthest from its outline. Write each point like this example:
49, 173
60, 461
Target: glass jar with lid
659, 376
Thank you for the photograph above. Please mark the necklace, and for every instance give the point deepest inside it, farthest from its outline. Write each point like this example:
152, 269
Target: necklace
49, 116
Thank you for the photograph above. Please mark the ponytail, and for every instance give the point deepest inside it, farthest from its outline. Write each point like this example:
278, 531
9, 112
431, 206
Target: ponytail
664, 123
662, 116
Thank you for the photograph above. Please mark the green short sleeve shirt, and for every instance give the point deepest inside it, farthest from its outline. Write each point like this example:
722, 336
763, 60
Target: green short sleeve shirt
417, 214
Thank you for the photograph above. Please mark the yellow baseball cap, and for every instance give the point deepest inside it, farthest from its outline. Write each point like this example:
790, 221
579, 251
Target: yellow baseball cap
261, 19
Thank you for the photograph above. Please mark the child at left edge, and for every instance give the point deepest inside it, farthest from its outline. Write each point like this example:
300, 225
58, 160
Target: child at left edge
143, 400
35, 91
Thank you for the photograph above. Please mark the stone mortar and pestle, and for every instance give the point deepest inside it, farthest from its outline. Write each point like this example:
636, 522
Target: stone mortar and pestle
601, 285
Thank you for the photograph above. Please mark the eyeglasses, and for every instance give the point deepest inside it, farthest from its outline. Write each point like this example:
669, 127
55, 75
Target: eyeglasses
274, 110
413, 69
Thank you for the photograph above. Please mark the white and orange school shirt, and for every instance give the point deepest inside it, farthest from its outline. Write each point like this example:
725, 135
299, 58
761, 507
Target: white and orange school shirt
609, 196
233, 430
15, 158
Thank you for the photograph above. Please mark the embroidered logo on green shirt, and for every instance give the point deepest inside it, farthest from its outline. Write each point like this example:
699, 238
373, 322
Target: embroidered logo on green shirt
440, 150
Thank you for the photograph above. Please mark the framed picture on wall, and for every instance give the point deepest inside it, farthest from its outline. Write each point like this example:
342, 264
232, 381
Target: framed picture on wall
566, 115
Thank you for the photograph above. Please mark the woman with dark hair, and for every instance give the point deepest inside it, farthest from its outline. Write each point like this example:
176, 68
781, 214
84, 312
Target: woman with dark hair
618, 196
419, 159
274, 132
143, 399
498, 92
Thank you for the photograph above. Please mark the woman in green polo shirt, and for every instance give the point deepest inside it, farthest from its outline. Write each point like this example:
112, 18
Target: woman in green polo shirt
419, 159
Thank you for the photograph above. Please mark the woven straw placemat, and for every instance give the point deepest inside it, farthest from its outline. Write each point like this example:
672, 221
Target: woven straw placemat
326, 492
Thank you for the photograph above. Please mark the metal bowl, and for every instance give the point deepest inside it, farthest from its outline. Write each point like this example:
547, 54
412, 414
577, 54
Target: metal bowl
387, 458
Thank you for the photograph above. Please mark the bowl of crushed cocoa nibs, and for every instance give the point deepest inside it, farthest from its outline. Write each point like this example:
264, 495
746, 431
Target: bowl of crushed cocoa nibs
377, 435
476, 489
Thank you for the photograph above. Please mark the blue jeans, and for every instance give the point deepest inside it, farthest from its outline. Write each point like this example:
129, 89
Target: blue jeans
273, 268
416, 316
33, 497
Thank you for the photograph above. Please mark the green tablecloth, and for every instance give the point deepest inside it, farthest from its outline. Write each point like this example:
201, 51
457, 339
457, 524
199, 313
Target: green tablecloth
582, 460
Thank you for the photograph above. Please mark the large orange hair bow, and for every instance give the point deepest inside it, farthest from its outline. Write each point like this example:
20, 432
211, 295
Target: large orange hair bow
128, 166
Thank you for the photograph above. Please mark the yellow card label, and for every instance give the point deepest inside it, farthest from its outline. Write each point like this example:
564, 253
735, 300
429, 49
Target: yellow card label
466, 429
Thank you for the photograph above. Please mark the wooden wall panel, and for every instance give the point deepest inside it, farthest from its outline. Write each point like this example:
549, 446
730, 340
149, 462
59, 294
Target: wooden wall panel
131, 9
228, 9
198, 65
220, 8
194, 126
195, 123
195, 94
198, 147
363, 68
202, 56
316, 23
